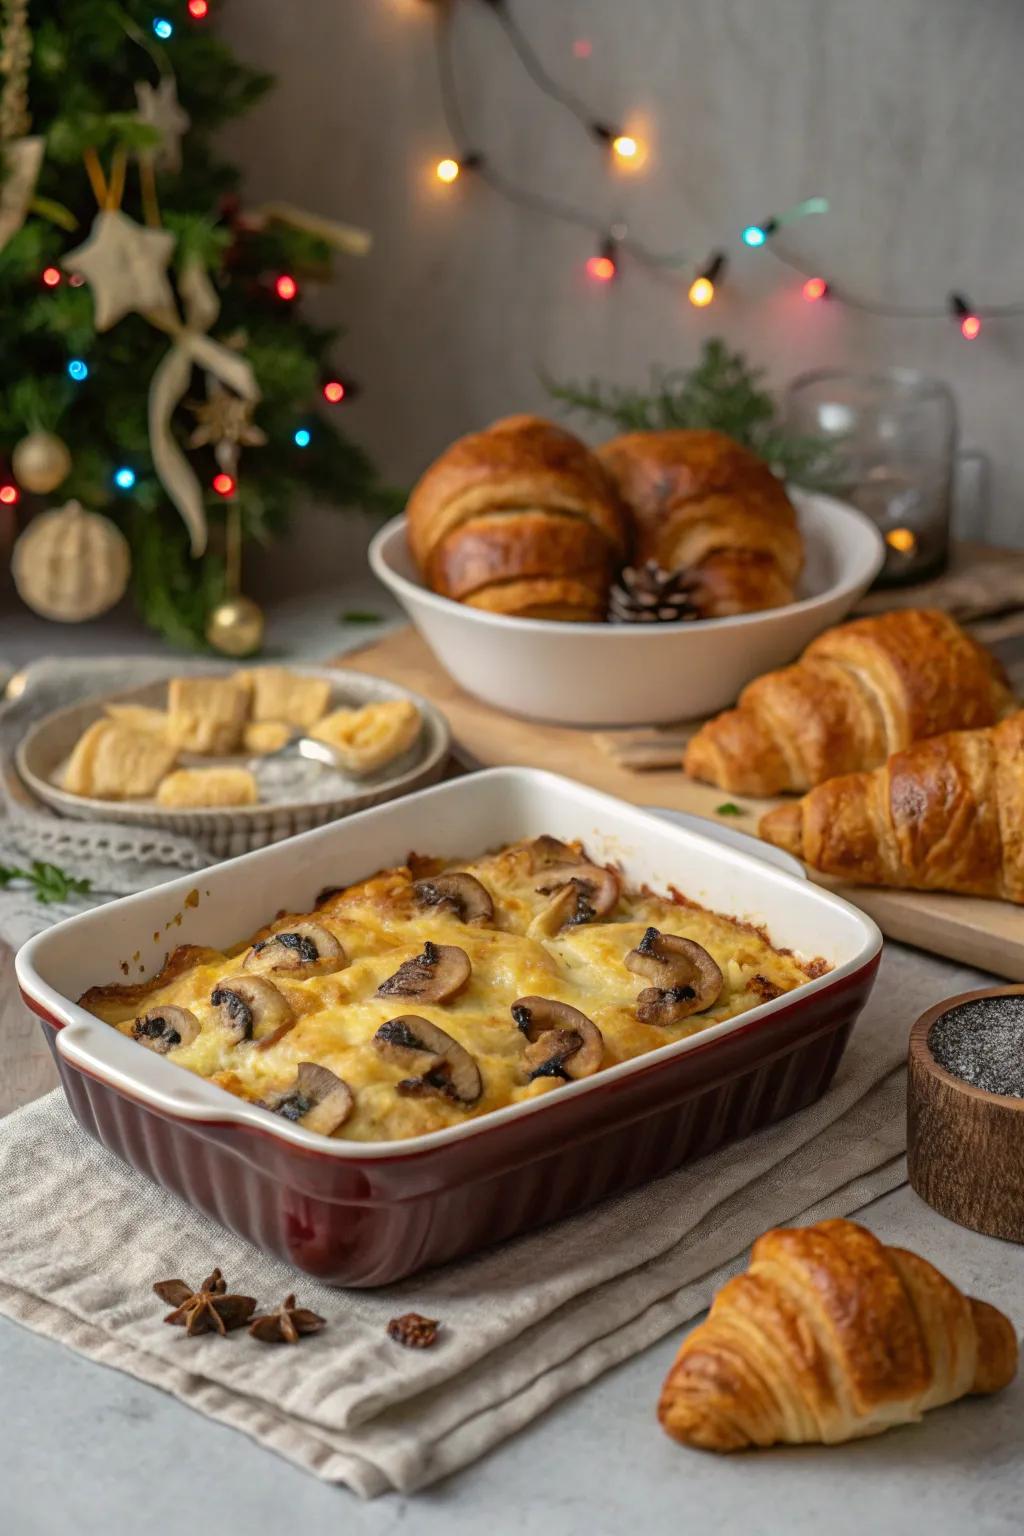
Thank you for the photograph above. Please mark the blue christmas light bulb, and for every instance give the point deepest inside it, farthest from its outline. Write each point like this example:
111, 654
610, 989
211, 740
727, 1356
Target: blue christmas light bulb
754, 235
78, 369
163, 28
124, 478
303, 437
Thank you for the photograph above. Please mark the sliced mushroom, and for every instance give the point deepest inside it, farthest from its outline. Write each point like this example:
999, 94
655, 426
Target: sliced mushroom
320, 1101
546, 850
164, 1029
580, 893
686, 978
304, 949
442, 1066
433, 976
457, 893
252, 1008
563, 1041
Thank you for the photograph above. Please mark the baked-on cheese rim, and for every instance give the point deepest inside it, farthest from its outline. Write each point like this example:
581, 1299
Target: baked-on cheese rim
335, 1003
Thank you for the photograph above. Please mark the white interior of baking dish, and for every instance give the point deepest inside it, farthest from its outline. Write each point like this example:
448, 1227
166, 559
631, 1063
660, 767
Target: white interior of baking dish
459, 819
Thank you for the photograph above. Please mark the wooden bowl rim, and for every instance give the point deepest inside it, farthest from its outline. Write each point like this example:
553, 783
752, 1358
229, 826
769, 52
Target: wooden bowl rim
920, 1049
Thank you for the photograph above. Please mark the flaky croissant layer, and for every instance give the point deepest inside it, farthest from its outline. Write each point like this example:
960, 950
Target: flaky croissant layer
945, 815
827, 1336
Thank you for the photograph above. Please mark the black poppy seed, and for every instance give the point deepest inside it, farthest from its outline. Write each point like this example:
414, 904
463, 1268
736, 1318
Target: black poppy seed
982, 1043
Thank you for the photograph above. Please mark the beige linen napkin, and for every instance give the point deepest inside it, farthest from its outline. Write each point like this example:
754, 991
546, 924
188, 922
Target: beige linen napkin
83, 1238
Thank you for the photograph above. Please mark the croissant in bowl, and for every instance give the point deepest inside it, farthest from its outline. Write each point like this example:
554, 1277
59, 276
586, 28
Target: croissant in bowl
520, 519
704, 503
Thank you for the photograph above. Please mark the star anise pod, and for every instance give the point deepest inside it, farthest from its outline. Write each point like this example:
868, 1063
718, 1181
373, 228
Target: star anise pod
413, 1330
208, 1310
286, 1325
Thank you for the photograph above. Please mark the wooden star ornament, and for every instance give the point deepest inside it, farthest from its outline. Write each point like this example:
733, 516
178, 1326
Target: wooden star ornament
125, 265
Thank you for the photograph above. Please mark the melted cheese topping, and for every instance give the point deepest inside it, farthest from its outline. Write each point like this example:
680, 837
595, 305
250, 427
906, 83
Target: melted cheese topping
380, 925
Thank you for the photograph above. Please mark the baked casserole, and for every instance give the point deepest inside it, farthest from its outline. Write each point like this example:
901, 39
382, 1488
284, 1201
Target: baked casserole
438, 991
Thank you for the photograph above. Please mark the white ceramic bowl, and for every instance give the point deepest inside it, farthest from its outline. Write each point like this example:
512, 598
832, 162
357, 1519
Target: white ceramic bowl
609, 674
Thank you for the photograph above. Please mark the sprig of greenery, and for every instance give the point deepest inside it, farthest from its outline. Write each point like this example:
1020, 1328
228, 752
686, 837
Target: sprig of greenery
721, 392
49, 881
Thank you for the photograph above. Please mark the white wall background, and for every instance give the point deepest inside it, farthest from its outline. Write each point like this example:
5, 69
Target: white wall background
907, 114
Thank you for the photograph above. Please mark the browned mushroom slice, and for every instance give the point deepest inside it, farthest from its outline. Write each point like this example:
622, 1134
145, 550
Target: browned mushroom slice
320, 1101
580, 893
458, 893
546, 850
686, 978
563, 1041
304, 949
433, 976
442, 1066
252, 1008
164, 1029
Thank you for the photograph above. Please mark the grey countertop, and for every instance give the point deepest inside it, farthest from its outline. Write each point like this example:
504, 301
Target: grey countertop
89, 1452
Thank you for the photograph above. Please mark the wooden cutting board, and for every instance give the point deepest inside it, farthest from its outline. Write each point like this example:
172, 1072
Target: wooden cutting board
987, 934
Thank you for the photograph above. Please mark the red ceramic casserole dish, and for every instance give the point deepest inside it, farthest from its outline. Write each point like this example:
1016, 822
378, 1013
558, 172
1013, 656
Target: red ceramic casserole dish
367, 1214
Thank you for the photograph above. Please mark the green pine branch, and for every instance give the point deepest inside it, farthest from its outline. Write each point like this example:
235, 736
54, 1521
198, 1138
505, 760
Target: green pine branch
723, 393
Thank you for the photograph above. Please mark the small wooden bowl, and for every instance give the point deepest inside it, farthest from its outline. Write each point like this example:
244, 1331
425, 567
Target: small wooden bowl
965, 1147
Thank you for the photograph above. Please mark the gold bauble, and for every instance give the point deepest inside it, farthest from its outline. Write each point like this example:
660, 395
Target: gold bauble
71, 565
235, 627
41, 461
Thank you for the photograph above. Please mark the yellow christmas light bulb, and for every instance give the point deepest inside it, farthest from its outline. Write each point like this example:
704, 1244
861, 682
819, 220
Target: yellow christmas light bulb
625, 146
901, 539
702, 291
448, 170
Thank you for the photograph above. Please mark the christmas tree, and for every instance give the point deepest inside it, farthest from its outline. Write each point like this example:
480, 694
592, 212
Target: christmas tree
155, 367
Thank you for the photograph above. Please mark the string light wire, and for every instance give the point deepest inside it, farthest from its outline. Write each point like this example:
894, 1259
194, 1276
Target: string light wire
663, 265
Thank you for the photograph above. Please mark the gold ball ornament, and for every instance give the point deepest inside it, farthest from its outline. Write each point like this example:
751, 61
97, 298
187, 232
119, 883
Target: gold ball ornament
41, 461
235, 627
71, 565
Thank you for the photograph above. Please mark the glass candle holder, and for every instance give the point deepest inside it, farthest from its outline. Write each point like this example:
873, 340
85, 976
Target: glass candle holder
889, 447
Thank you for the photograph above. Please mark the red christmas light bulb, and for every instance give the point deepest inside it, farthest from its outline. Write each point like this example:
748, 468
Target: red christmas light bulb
815, 288
9, 495
601, 268
224, 484
286, 287
334, 391
970, 327
198, 9
51, 276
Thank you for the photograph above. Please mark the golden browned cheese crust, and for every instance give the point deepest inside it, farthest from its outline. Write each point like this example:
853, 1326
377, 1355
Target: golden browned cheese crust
698, 496
498, 509
829, 1336
514, 953
947, 814
859, 692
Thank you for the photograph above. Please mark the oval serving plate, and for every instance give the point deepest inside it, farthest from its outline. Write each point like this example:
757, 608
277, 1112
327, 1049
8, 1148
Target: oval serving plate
239, 829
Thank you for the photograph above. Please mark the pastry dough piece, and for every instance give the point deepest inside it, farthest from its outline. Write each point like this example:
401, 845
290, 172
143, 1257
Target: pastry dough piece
198, 788
139, 716
207, 713
278, 694
261, 736
945, 815
829, 1336
704, 503
859, 692
112, 761
520, 519
369, 738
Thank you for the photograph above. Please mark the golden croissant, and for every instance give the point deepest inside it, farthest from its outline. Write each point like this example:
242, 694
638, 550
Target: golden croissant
520, 519
830, 1335
945, 815
704, 503
859, 693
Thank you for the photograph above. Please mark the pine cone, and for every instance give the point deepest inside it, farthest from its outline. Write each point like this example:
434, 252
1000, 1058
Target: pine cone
647, 594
